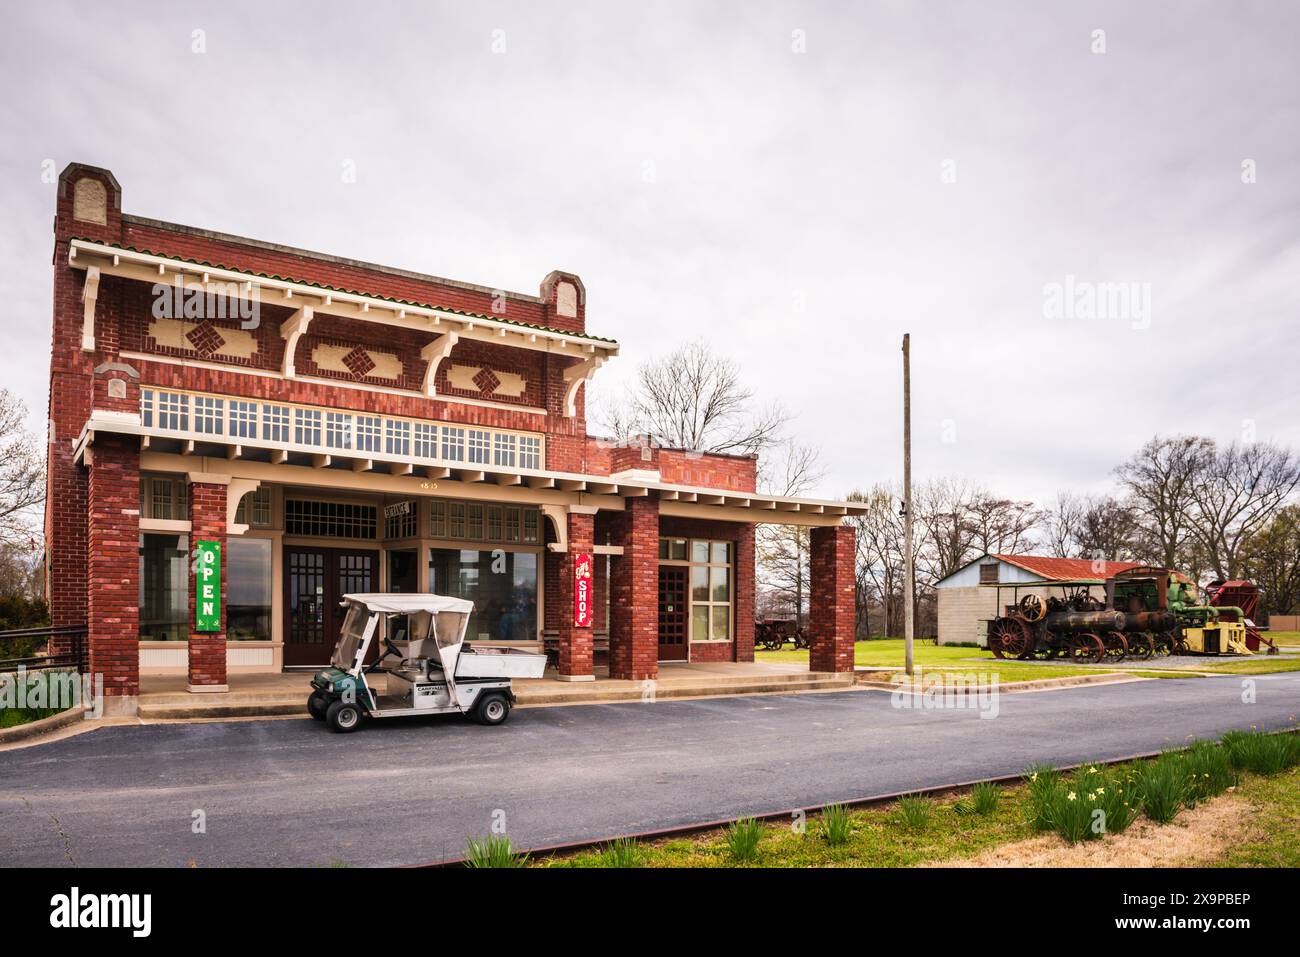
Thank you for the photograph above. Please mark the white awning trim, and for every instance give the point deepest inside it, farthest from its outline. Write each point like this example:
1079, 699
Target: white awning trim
771, 506
146, 267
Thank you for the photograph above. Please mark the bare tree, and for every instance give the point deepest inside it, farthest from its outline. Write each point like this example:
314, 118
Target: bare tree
1272, 561
879, 542
789, 469
944, 513
1159, 480
693, 399
1241, 489
1003, 526
1063, 525
22, 476
1107, 529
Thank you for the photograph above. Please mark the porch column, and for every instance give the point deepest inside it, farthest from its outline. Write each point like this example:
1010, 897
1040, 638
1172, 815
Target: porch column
113, 569
575, 643
832, 618
207, 665
634, 593
743, 614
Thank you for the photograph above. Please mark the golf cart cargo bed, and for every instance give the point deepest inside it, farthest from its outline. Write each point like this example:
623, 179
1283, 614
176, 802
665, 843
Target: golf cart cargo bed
499, 663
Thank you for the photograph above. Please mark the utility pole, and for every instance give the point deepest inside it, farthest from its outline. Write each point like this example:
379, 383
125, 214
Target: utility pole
909, 625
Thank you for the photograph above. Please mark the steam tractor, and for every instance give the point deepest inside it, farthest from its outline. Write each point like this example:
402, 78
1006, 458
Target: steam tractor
1142, 612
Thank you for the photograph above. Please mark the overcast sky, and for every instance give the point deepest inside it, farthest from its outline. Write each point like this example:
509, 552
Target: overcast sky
798, 183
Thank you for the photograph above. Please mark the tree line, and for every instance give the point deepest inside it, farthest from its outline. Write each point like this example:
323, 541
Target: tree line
1210, 510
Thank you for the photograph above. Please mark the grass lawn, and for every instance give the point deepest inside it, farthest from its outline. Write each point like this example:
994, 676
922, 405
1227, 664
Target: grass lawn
1264, 810
1275, 841
878, 839
888, 652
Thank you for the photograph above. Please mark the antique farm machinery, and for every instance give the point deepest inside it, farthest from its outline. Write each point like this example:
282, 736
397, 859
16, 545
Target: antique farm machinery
1057, 619
1142, 612
772, 633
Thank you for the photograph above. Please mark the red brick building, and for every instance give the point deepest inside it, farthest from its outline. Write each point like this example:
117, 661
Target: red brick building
334, 426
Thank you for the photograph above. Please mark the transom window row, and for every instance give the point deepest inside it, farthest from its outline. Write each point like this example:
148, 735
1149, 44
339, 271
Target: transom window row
329, 430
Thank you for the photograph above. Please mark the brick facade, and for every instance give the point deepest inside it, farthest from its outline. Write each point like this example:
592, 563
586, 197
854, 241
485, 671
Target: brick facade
92, 511
207, 658
634, 593
832, 614
112, 569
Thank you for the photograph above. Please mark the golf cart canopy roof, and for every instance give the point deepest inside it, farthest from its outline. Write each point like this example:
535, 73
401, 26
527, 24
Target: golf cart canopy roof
409, 604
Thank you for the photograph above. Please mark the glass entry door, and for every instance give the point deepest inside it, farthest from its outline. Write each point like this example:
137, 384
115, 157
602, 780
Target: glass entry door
315, 581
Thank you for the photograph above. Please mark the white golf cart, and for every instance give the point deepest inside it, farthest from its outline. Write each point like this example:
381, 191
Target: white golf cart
425, 666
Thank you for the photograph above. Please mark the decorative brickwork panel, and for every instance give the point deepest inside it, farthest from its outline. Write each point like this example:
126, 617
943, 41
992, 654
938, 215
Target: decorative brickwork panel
112, 564
831, 620
575, 643
207, 663
634, 591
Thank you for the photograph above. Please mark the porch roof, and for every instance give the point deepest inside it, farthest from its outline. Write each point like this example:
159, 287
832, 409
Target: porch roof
722, 504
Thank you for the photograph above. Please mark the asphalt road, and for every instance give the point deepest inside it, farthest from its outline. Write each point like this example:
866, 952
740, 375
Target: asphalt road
290, 792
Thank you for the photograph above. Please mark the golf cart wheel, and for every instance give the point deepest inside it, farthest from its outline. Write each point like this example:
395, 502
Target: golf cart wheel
317, 704
492, 709
343, 717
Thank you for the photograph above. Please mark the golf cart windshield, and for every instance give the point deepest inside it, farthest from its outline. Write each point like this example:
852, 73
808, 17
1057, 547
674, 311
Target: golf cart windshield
354, 628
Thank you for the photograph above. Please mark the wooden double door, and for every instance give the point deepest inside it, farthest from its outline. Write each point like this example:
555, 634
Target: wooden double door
315, 581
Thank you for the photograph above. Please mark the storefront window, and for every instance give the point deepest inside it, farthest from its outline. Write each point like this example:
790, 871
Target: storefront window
164, 588
502, 585
248, 589
710, 584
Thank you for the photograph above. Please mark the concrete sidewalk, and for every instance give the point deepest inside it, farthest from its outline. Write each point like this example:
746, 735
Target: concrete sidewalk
163, 697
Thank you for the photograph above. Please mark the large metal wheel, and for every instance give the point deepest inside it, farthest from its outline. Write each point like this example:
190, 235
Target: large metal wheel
1087, 649
1033, 607
1010, 638
1142, 645
1116, 645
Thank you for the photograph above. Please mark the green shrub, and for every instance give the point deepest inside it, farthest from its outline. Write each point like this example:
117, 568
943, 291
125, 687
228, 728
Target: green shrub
494, 851
622, 853
985, 797
1262, 753
1094, 802
1209, 771
743, 837
914, 811
983, 800
835, 824
1042, 781
1164, 786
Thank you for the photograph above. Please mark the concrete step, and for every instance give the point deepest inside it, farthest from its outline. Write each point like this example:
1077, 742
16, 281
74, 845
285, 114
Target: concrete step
171, 707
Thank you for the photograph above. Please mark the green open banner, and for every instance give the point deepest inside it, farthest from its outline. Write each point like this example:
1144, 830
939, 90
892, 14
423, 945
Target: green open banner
207, 586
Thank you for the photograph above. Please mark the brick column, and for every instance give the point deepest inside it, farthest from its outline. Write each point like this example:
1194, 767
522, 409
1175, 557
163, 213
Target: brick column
634, 593
575, 643
833, 614
113, 569
743, 612
207, 670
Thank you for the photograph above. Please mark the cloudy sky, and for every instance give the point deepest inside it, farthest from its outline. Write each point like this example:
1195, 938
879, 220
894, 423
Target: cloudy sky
798, 183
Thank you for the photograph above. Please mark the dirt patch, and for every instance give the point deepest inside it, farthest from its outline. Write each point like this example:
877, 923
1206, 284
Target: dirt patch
1195, 837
